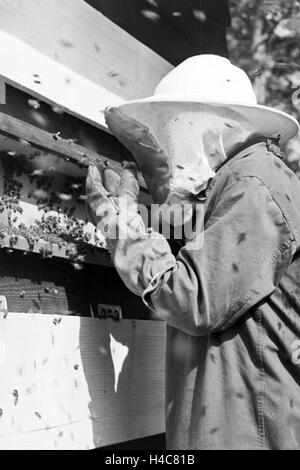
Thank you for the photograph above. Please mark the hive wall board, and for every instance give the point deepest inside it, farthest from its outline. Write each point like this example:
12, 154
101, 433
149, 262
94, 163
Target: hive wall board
79, 383
70, 54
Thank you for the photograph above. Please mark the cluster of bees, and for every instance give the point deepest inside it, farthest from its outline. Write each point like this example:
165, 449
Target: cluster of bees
57, 224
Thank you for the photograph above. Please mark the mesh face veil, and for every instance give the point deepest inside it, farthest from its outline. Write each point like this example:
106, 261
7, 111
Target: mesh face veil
178, 149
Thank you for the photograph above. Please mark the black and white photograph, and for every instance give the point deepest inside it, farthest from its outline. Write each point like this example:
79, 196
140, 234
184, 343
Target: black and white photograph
149, 228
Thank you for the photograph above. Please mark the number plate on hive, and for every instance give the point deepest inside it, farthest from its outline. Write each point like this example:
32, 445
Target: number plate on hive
110, 311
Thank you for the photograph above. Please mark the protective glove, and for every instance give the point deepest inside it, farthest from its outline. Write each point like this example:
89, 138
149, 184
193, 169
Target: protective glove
139, 254
101, 185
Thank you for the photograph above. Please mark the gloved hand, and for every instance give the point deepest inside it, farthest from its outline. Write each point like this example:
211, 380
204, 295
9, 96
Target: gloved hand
139, 254
100, 188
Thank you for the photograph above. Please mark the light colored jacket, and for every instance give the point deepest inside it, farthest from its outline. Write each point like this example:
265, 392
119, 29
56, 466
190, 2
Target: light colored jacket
233, 314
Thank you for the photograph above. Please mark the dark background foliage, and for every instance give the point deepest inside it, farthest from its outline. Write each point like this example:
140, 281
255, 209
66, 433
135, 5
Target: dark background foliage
264, 40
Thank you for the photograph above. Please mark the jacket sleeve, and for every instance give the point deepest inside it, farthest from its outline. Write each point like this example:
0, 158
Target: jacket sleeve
247, 247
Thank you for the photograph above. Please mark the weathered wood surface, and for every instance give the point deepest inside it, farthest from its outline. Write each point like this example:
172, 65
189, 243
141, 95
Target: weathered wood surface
78, 383
74, 56
57, 155
52, 119
24, 133
54, 286
101, 257
2, 91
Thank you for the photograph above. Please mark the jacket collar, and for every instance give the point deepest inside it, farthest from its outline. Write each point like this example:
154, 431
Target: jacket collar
247, 148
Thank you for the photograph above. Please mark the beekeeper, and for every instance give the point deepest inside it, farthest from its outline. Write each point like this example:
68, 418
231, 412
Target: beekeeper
231, 302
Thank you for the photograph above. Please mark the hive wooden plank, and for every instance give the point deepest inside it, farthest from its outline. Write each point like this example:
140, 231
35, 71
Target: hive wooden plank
74, 56
49, 118
78, 383
101, 258
25, 133
57, 153
53, 286
2, 91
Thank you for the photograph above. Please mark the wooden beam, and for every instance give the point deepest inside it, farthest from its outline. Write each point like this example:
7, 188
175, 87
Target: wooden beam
74, 57
53, 144
2, 91
54, 150
100, 258
78, 383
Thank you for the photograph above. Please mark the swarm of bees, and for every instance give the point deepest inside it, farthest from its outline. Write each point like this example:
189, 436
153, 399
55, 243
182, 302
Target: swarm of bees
63, 229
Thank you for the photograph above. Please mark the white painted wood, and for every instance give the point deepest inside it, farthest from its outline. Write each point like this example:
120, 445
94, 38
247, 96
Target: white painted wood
58, 387
2, 91
70, 54
84, 98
